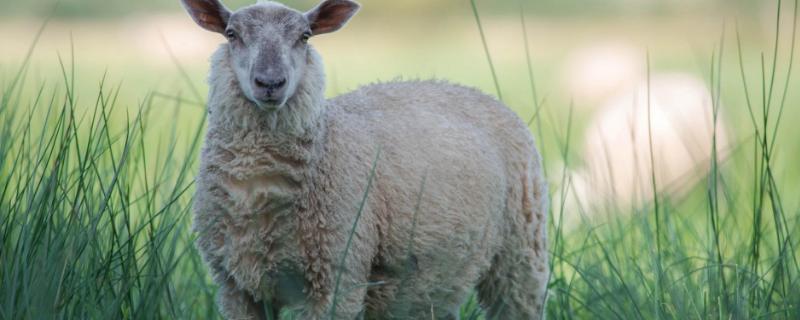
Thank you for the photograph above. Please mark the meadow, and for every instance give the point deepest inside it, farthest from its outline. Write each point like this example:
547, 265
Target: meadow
101, 120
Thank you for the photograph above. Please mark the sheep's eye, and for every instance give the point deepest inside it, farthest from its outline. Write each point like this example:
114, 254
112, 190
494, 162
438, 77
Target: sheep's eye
231, 35
305, 36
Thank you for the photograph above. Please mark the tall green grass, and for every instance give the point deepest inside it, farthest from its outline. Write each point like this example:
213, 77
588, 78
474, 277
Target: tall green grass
95, 208
94, 217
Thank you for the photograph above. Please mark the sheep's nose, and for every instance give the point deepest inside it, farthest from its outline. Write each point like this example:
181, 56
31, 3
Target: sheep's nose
270, 83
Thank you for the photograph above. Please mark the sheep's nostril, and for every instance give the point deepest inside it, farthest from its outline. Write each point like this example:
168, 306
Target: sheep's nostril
270, 84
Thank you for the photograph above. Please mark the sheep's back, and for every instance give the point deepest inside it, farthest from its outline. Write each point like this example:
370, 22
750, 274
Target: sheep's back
396, 112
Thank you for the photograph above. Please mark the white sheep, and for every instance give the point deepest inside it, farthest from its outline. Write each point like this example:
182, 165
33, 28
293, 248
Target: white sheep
440, 184
674, 111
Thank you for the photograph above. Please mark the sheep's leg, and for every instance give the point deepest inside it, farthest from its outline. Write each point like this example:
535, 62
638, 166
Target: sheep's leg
238, 304
348, 305
515, 287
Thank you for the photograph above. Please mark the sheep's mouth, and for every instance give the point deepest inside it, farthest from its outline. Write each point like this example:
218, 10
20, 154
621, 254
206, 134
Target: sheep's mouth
268, 104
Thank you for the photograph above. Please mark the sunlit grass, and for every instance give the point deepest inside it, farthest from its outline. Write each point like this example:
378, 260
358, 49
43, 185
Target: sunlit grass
95, 217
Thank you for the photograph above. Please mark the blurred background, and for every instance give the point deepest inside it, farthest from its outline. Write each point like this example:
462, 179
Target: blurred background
588, 56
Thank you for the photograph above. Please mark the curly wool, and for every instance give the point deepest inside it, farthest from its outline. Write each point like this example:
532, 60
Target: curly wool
457, 201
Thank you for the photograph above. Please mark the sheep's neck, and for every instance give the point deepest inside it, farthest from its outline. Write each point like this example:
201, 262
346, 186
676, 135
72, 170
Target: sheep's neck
259, 156
263, 178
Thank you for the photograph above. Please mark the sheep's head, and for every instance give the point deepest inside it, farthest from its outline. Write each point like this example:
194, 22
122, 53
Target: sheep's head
267, 41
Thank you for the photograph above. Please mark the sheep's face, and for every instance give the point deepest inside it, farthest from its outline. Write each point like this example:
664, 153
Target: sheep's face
268, 43
268, 51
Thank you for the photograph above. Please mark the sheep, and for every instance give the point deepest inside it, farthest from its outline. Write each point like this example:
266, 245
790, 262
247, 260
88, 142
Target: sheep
617, 150
394, 201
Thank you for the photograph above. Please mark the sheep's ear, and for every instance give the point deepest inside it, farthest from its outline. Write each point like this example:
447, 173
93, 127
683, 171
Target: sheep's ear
209, 14
331, 15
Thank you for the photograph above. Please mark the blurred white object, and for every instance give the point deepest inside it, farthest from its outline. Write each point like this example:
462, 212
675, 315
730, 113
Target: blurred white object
595, 72
617, 167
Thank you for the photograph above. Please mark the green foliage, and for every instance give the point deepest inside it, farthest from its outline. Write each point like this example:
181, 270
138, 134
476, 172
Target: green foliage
94, 220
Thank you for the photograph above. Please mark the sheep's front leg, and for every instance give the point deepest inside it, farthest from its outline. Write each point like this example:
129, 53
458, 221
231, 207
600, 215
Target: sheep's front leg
347, 304
237, 304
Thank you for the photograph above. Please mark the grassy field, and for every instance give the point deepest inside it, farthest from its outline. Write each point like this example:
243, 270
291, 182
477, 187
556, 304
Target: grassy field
100, 124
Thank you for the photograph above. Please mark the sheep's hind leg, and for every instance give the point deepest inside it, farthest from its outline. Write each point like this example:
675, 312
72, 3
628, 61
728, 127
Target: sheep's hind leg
515, 287
238, 304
